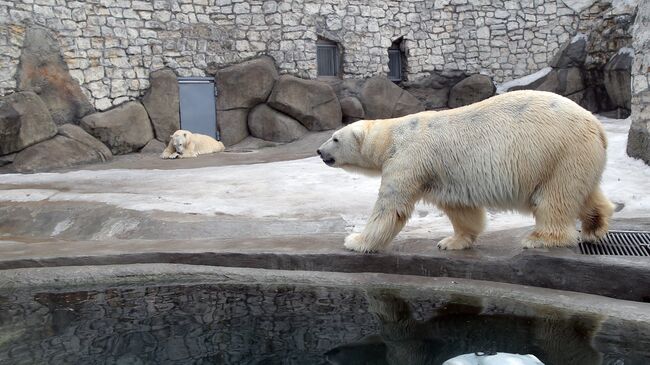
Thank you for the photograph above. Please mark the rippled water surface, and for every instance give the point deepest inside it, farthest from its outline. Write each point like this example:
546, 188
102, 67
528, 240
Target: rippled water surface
280, 324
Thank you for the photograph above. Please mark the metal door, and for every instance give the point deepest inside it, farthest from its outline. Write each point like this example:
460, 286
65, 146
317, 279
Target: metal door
198, 105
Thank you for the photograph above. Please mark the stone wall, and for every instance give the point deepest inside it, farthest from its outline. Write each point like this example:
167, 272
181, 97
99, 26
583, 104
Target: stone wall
110, 46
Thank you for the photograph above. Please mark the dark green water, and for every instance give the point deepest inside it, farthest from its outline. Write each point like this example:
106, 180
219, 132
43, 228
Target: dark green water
250, 324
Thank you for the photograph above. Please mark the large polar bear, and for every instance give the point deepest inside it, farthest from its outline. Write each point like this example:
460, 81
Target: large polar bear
184, 144
530, 151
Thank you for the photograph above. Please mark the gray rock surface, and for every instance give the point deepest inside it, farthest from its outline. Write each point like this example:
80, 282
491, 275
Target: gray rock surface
433, 91
269, 124
241, 87
563, 81
78, 134
352, 109
153, 146
638, 143
572, 54
345, 88
123, 129
57, 152
617, 74
162, 103
471, 90
24, 121
312, 103
233, 125
638, 140
7, 159
246, 84
43, 70
381, 99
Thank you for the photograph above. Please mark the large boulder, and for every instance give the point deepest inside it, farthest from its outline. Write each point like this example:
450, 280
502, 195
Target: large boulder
564, 81
43, 70
24, 121
162, 104
638, 140
241, 87
54, 153
345, 88
246, 84
7, 159
617, 74
433, 90
269, 124
352, 109
233, 125
572, 54
77, 133
382, 99
312, 103
71, 147
153, 146
471, 90
123, 129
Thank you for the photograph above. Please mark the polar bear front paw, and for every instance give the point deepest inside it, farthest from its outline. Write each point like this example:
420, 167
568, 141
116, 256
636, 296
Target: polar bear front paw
455, 243
355, 242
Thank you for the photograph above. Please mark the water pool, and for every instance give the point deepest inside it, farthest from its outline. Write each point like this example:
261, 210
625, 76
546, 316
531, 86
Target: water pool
180, 314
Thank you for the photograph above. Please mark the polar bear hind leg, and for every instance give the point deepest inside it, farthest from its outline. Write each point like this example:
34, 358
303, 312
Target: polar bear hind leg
556, 205
468, 223
595, 216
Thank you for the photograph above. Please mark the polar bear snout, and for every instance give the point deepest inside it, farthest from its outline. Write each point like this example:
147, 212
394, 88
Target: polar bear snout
326, 157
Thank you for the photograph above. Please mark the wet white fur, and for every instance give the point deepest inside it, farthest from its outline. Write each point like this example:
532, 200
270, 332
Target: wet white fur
184, 144
530, 151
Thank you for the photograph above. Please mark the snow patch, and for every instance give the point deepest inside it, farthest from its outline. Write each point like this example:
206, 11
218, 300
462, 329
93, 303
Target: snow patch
626, 51
26, 195
522, 81
579, 37
626, 180
61, 227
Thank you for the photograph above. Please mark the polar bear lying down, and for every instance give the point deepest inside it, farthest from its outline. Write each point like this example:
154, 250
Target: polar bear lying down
530, 151
184, 144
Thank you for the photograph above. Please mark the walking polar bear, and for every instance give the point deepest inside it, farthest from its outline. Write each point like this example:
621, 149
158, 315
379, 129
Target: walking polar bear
184, 144
530, 151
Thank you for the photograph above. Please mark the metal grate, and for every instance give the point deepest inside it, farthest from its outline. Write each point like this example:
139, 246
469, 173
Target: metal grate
619, 243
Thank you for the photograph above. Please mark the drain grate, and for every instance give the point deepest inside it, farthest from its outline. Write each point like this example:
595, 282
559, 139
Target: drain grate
619, 243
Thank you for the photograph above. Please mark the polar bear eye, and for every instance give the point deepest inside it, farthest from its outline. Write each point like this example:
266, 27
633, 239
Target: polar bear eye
335, 139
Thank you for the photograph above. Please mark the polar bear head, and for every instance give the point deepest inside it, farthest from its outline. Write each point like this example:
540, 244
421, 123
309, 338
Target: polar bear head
345, 149
180, 139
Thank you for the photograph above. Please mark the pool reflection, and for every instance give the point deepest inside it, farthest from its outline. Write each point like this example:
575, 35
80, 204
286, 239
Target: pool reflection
285, 324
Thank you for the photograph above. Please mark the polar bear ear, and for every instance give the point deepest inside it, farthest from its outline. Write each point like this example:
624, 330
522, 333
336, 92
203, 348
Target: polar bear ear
359, 132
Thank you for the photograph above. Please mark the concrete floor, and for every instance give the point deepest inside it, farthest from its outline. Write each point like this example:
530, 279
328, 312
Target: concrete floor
65, 233
249, 151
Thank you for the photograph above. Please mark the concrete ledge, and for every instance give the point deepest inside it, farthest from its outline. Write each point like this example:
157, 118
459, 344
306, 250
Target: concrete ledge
616, 277
409, 286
